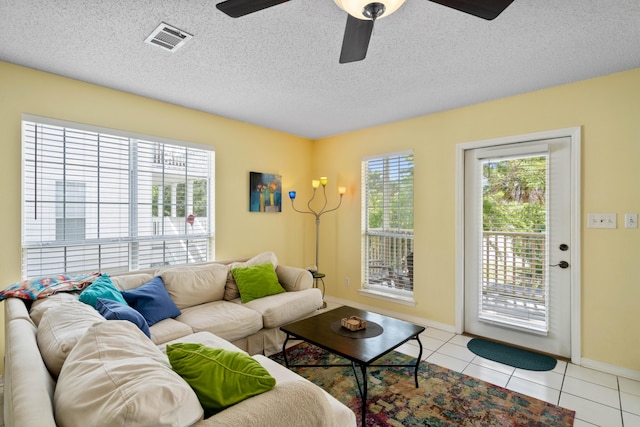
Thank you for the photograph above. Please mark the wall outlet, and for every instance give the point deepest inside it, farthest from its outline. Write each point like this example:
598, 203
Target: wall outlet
602, 220
347, 282
631, 220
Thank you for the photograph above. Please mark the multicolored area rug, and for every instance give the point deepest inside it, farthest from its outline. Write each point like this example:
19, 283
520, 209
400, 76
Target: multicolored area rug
444, 398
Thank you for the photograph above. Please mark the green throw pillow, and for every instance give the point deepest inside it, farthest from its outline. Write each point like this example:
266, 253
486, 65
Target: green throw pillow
103, 288
220, 378
257, 281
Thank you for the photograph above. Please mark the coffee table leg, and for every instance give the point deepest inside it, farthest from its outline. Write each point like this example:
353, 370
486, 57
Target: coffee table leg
418, 361
362, 390
284, 352
355, 374
363, 394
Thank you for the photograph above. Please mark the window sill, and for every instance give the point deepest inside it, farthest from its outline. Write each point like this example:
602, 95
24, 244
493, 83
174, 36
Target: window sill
387, 296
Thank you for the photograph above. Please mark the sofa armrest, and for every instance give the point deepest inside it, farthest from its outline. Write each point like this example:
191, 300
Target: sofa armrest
294, 278
28, 386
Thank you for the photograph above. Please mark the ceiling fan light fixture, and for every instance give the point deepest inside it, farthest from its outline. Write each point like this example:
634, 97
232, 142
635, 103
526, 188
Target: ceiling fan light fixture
357, 8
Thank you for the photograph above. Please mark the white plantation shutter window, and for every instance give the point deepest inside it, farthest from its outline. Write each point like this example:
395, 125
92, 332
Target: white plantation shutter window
103, 200
387, 209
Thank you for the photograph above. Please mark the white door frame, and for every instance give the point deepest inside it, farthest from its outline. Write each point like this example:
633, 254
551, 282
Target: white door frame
574, 134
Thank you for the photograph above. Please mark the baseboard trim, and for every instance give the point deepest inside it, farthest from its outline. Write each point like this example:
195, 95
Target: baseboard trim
398, 299
610, 369
413, 319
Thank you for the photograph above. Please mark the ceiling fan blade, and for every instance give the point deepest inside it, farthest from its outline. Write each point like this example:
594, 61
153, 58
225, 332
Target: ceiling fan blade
238, 8
487, 9
356, 39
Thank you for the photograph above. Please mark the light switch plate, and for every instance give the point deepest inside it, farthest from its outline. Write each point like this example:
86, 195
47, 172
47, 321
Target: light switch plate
631, 220
602, 220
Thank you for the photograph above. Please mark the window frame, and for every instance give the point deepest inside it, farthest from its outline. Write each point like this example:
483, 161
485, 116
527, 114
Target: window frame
393, 292
132, 239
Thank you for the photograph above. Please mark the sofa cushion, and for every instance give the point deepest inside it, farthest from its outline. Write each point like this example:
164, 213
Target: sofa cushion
167, 330
293, 403
337, 415
152, 301
60, 329
193, 285
219, 377
205, 338
39, 307
280, 309
130, 281
231, 289
102, 287
117, 377
256, 281
222, 318
113, 310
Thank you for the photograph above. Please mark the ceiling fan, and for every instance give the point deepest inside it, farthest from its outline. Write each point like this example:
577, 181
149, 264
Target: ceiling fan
362, 15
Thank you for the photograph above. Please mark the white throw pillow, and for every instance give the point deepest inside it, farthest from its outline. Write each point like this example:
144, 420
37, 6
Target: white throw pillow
231, 291
195, 285
60, 329
115, 376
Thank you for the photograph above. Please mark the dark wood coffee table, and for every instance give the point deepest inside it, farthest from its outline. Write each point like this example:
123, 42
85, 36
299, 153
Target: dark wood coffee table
321, 330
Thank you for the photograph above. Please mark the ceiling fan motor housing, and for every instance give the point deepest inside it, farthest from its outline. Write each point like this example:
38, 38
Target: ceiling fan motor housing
374, 10
368, 10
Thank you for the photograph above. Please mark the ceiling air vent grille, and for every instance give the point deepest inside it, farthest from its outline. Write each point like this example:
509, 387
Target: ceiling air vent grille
168, 37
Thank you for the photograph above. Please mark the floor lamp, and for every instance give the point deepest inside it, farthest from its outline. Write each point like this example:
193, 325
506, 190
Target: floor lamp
316, 183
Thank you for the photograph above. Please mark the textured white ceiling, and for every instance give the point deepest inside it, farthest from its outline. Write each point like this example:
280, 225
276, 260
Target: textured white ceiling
279, 68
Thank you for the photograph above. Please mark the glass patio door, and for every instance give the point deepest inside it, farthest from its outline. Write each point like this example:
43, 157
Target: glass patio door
517, 235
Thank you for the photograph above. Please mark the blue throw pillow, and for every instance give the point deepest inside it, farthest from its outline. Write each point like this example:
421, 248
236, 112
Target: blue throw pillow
113, 310
102, 287
152, 301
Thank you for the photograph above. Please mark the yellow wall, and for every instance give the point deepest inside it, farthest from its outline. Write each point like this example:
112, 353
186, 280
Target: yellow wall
607, 109
240, 148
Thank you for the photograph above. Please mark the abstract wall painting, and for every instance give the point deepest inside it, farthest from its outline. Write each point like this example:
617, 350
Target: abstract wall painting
265, 192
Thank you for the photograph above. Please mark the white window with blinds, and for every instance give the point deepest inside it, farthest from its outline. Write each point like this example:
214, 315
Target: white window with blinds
387, 210
104, 200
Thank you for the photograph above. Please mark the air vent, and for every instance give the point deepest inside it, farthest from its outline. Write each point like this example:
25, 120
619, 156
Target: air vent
168, 37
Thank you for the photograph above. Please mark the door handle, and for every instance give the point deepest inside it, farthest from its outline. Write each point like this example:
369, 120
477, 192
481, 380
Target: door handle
561, 264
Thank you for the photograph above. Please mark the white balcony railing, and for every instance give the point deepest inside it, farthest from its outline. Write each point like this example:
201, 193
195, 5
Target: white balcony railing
163, 155
390, 260
514, 276
178, 226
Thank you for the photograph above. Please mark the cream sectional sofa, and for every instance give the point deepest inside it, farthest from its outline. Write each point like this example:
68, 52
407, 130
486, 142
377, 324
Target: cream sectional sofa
65, 363
209, 300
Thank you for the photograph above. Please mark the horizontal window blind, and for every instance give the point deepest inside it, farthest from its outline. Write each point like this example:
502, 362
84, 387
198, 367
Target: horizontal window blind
94, 201
514, 242
388, 221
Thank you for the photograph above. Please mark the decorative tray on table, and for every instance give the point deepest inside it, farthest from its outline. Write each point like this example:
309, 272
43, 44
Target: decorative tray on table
353, 323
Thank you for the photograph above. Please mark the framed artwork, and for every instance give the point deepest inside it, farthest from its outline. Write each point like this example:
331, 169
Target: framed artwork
265, 192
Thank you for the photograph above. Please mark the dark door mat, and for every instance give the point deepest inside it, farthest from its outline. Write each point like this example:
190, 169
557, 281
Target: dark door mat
516, 357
